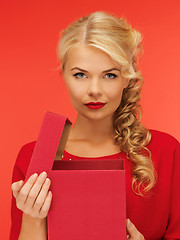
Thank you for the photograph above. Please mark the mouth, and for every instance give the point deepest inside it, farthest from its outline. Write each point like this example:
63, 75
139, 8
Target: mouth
95, 105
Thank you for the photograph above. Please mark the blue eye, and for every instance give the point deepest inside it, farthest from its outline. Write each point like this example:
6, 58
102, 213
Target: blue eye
79, 75
111, 75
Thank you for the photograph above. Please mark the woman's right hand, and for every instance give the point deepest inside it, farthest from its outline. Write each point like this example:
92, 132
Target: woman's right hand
33, 197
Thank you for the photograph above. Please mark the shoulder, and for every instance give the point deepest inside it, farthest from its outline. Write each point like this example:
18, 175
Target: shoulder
165, 149
23, 160
26, 151
162, 140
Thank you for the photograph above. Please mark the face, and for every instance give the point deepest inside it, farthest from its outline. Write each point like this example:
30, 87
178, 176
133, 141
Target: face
91, 76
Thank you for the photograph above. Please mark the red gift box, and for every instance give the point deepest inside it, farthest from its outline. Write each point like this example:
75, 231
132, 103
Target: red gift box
89, 200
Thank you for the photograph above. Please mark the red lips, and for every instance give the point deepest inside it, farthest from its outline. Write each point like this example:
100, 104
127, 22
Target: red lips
95, 105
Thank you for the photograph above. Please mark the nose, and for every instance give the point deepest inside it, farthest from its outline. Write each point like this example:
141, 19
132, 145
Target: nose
95, 88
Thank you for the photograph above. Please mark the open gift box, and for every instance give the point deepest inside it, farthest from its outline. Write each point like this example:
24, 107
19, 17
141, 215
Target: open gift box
88, 200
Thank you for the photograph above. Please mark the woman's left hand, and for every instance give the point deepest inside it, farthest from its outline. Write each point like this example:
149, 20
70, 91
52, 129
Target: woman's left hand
134, 234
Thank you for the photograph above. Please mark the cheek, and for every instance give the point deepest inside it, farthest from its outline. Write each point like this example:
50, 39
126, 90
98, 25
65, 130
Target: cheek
116, 99
76, 92
115, 94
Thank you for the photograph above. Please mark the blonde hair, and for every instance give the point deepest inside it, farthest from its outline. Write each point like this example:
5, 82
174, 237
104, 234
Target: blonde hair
115, 36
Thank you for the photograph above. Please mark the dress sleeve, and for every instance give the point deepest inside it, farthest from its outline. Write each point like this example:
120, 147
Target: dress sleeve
173, 228
19, 172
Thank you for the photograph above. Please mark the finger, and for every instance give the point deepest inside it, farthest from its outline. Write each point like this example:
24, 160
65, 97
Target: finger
42, 196
132, 230
36, 188
45, 208
16, 186
23, 193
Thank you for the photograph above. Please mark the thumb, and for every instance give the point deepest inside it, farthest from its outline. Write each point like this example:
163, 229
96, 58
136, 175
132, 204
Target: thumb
133, 232
131, 228
16, 187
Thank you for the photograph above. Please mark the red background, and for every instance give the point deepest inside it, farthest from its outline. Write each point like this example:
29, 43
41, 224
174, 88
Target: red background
30, 81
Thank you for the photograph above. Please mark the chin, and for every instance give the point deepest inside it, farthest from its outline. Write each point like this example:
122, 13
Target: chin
95, 116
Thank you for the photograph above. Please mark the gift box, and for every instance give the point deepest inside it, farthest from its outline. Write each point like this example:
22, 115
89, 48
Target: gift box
89, 200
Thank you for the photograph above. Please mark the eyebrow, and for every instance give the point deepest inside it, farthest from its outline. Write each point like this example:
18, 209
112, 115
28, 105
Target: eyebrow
108, 70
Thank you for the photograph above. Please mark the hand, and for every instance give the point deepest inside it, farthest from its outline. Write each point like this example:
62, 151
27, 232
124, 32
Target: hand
134, 234
33, 197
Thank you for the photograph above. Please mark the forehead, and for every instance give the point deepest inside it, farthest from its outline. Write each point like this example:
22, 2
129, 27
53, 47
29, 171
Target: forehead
91, 58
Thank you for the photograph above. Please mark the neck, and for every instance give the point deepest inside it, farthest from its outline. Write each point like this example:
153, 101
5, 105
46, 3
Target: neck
95, 131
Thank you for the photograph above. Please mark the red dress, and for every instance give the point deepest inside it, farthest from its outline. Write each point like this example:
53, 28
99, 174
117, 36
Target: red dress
157, 216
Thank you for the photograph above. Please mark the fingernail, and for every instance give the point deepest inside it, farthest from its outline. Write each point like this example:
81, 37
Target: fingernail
21, 183
50, 194
128, 221
47, 181
43, 174
34, 176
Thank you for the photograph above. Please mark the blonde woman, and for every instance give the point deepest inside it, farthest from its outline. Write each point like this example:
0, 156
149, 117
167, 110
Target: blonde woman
98, 55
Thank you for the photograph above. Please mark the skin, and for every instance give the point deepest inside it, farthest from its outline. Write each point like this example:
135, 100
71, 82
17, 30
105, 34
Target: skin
93, 129
91, 133
34, 199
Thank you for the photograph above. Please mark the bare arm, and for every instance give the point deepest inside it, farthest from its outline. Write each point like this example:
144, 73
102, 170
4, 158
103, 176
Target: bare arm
33, 228
34, 199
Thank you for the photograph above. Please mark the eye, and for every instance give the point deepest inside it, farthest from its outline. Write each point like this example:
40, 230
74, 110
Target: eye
111, 75
79, 75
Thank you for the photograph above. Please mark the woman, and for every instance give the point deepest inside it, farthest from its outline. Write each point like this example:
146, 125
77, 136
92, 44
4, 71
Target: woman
98, 56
